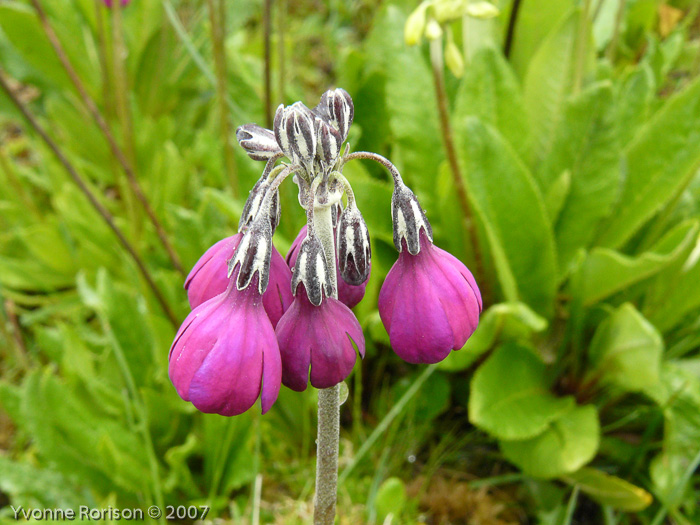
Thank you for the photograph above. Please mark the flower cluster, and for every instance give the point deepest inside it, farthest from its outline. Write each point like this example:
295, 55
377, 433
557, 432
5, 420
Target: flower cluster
259, 321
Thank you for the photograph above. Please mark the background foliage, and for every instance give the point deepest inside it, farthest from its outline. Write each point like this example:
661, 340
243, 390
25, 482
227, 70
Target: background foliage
576, 401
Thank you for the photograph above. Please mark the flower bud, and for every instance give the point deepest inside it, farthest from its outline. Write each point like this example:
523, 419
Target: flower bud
328, 142
354, 251
453, 58
433, 31
295, 134
409, 219
337, 109
311, 269
251, 208
253, 255
259, 143
415, 25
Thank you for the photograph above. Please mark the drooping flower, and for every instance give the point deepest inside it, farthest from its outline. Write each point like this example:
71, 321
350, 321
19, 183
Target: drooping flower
208, 278
348, 294
429, 302
317, 331
225, 354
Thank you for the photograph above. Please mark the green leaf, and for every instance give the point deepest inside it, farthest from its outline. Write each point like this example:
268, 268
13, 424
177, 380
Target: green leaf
21, 26
626, 350
410, 99
491, 92
434, 398
605, 271
510, 396
34, 487
584, 143
501, 322
549, 81
514, 217
536, 20
609, 490
678, 393
659, 165
633, 102
569, 442
391, 498
556, 195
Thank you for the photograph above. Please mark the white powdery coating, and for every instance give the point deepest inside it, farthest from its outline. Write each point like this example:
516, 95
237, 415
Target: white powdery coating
320, 269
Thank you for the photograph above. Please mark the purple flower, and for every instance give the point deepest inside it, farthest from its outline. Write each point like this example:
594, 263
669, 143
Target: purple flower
208, 278
348, 294
319, 337
429, 303
225, 354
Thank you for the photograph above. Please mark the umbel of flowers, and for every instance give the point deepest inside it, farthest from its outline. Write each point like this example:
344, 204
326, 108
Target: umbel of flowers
259, 321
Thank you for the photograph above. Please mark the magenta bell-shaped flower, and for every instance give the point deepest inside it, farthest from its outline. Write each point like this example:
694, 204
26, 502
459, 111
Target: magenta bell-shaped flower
320, 337
225, 354
348, 294
208, 278
429, 304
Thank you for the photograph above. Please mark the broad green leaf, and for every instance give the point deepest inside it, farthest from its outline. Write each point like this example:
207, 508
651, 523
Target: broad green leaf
21, 26
569, 443
549, 82
626, 350
584, 143
514, 217
677, 294
501, 322
609, 490
34, 487
390, 499
660, 162
556, 195
633, 102
536, 20
510, 397
490, 91
605, 271
79, 440
678, 394
410, 99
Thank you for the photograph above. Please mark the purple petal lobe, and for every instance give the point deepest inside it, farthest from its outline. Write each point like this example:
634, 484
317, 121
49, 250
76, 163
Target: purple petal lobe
319, 337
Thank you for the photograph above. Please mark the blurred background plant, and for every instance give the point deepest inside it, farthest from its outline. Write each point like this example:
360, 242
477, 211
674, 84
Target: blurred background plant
555, 146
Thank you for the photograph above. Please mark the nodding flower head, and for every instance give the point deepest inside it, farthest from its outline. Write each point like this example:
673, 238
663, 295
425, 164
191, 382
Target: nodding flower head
226, 355
429, 302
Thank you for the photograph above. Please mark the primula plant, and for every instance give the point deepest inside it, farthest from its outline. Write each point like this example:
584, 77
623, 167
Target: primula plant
256, 325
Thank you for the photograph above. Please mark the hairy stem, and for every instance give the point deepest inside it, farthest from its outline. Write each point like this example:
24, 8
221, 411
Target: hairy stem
328, 437
448, 140
92, 108
217, 21
92, 198
281, 26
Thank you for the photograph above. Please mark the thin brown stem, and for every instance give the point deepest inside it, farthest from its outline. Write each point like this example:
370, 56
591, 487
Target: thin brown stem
612, 46
281, 27
92, 108
510, 32
217, 21
92, 198
21, 352
267, 34
448, 140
